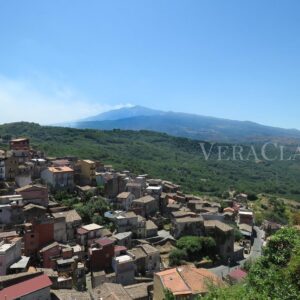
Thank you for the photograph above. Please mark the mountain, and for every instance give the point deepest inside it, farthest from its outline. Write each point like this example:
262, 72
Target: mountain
123, 113
188, 125
162, 156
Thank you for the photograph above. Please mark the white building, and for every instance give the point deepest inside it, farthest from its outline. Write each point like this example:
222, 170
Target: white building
9, 254
59, 177
124, 268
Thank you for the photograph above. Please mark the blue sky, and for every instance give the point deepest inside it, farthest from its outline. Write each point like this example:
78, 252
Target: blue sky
62, 60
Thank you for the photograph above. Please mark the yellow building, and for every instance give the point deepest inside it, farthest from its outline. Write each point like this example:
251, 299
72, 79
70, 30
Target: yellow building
87, 171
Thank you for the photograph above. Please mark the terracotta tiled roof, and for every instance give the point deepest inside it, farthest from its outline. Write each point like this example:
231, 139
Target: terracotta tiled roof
199, 280
185, 280
172, 281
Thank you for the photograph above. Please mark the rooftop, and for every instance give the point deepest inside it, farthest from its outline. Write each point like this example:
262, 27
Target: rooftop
104, 241
154, 188
63, 169
145, 199
246, 213
148, 249
91, 227
186, 280
120, 248
128, 214
67, 261
7, 234
137, 253
123, 258
180, 214
19, 140
33, 206
88, 161
48, 247
134, 184
111, 291
5, 247
30, 186
189, 220
150, 225
123, 195
217, 224
122, 235
245, 227
70, 215
199, 280
26, 287
138, 291
21, 263
172, 281
71, 294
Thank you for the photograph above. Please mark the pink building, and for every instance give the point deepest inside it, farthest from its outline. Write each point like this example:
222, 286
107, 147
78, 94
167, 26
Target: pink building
36, 194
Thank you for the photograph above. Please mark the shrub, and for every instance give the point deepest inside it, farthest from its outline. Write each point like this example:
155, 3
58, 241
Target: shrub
177, 257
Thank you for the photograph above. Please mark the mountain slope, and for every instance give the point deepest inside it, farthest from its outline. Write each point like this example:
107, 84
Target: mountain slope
198, 127
122, 113
160, 155
188, 125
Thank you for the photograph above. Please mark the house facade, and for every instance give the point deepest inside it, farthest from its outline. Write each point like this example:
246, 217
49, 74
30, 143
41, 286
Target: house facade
36, 194
19, 144
10, 252
125, 269
87, 171
124, 200
2, 165
59, 177
145, 206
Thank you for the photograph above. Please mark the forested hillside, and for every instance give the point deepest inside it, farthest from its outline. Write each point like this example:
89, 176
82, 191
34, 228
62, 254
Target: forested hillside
177, 159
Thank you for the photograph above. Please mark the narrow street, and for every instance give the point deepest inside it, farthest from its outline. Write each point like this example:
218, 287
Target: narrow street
256, 251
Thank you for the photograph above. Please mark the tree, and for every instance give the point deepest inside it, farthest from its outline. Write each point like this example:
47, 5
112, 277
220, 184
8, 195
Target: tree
177, 257
168, 295
197, 247
276, 275
280, 246
238, 235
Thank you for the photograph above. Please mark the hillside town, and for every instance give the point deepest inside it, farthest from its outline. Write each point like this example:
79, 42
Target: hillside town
50, 250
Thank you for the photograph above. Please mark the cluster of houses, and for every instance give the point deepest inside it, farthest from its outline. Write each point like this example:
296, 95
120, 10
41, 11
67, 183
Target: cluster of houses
47, 252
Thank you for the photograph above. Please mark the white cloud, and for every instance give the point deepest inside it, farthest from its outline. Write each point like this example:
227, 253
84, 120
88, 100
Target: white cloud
45, 102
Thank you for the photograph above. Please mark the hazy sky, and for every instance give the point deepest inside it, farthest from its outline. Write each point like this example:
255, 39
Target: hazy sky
62, 60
